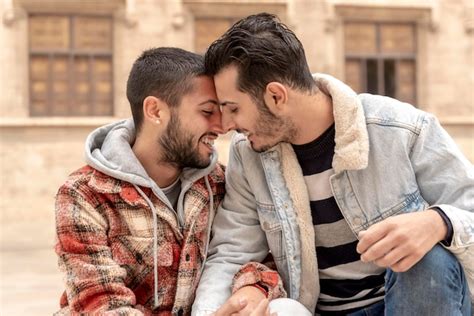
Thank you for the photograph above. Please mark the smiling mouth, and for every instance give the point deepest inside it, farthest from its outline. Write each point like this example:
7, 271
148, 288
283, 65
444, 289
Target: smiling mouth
209, 139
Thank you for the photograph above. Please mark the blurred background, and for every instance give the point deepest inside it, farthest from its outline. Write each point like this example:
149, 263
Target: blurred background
64, 65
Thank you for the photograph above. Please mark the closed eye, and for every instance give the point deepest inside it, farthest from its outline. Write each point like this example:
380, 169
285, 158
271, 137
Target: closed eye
232, 107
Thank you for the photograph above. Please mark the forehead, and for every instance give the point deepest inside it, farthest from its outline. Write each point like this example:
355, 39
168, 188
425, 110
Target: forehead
201, 84
228, 92
202, 88
226, 79
202, 93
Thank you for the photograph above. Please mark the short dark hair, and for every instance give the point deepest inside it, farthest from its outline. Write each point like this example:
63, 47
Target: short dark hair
264, 50
165, 73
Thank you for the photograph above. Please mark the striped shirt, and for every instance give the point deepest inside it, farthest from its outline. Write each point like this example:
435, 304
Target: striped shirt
347, 284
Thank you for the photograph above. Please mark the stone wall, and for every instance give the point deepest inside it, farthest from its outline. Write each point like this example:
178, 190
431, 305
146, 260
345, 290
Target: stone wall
37, 154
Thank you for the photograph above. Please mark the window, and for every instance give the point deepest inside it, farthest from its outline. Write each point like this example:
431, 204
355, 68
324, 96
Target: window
212, 18
70, 65
208, 30
380, 58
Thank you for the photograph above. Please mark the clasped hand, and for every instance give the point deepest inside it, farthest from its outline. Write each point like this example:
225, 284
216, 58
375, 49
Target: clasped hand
247, 301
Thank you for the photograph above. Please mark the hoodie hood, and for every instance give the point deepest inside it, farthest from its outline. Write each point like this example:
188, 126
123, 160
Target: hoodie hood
109, 150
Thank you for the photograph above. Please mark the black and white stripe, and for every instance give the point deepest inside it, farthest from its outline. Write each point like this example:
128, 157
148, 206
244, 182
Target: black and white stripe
347, 284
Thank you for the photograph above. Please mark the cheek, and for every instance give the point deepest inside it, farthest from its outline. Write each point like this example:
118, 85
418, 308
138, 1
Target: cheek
245, 118
200, 126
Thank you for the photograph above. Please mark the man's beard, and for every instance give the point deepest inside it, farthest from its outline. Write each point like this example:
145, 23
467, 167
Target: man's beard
180, 148
272, 128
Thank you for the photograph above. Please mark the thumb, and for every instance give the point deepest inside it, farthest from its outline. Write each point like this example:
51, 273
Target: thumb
232, 306
261, 309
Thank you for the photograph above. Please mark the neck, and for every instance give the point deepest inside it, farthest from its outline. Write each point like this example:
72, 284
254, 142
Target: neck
314, 116
149, 155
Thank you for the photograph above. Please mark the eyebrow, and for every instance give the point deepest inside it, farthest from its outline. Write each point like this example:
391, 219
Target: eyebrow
227, 103
212, 101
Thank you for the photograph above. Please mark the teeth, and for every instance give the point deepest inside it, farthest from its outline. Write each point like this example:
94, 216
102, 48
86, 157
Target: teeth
208, 141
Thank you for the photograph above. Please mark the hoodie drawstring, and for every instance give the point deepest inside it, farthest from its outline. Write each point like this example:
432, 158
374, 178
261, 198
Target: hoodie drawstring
210, 220
155, 233
155, 244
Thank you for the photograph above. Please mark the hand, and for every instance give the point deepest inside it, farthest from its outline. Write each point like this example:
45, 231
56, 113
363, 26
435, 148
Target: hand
399, 242
248, 301
262, 309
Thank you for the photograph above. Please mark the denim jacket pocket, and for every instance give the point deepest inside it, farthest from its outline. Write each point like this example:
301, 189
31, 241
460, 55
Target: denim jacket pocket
271, 225
412, 202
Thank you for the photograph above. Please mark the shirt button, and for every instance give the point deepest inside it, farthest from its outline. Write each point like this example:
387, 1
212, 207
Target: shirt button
139, 258
266, 226
180, 312
357, 221
188, 257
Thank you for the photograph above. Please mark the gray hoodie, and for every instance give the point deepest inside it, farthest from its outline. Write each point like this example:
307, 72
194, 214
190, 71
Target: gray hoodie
109, 150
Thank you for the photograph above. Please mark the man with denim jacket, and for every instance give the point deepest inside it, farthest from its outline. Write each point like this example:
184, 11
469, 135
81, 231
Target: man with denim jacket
364, 202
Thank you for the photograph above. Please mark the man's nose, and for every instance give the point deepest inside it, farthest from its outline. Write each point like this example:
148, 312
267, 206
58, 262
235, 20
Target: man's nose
216, 123
227, 123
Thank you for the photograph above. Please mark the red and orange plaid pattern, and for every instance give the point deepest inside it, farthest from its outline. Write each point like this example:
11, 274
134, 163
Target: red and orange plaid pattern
105, 246
254, 273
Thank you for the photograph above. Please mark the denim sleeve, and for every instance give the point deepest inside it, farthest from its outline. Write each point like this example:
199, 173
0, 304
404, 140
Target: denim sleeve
237, 238
446, 181
445, 178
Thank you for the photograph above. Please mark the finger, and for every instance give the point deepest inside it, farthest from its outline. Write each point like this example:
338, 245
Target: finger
379, 249
406, 263
392, 257
361, 234
262, 308
232, 306
372, 235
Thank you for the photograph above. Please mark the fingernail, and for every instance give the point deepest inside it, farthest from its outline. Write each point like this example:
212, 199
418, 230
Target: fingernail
242, 301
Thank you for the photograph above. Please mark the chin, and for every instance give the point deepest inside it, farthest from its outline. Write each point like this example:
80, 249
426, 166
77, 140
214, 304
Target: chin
205, 156
205, 161
262, 147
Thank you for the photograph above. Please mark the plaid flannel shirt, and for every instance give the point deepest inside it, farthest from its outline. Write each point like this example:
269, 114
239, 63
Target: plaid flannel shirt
264, 275
105, 246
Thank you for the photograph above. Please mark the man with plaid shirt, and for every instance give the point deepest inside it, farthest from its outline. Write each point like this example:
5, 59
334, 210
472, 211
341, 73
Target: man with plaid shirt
133, 225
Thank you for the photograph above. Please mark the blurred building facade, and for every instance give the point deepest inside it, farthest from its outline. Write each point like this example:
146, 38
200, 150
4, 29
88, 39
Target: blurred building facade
64, 66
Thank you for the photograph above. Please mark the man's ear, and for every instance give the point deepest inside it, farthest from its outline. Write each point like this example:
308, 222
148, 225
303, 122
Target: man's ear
154, 110
276, 97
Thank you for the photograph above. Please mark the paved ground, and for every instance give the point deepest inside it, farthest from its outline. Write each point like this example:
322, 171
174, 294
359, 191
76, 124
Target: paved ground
30, 281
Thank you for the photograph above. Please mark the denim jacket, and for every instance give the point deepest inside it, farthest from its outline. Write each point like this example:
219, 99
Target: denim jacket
390, 158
